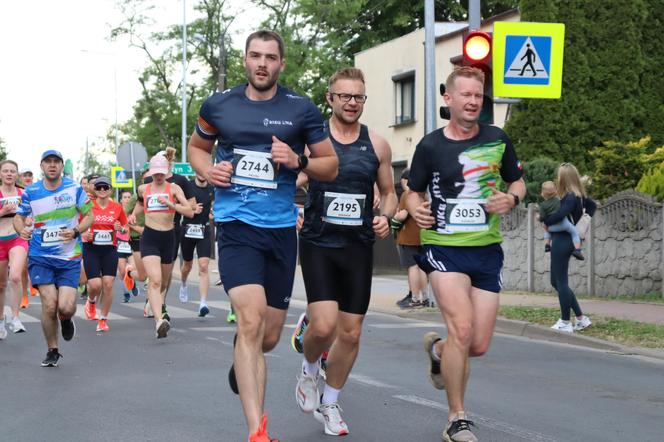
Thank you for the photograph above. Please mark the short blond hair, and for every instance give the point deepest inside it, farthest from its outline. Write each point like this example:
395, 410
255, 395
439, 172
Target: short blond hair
549, 189
346, 74
466, 72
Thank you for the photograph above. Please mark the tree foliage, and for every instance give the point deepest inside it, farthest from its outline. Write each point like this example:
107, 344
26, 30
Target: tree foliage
3, 150
537, 171
611, 87
652, 182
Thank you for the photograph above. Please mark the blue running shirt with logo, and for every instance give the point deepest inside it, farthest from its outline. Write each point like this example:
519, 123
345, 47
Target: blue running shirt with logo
261, 193
52, 211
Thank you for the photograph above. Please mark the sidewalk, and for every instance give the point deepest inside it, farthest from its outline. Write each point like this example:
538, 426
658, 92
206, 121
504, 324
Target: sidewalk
389, 288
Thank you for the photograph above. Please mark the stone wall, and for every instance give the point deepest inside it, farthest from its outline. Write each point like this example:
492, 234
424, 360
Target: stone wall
624, 252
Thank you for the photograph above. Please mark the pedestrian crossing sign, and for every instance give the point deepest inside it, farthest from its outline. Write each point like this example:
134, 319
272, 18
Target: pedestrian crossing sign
528, 59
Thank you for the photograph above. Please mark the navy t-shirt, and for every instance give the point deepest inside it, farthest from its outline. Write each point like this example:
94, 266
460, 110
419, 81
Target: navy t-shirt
261, 193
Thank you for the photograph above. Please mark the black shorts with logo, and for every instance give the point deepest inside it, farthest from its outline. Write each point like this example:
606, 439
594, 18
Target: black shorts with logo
203, 246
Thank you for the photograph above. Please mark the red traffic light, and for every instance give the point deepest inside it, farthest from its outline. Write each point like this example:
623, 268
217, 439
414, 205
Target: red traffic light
477, 47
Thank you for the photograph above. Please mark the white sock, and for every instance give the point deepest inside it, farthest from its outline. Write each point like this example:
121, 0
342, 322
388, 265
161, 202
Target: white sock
103, 317
330, 395
203, 302
310, 368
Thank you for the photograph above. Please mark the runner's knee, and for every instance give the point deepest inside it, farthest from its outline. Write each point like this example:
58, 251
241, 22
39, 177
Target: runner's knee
461, 334
321, 328
350, 337
186, 266
202, 267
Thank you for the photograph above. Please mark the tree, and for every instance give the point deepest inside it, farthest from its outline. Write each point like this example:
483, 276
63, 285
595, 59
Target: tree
608, 52
3, 150
652, 182
537, 171
158, 114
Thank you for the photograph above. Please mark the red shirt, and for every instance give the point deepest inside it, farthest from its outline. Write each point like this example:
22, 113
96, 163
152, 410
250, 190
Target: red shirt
104, 221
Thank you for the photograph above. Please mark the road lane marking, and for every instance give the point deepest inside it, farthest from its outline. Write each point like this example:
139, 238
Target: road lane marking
406, 325
366, 380
485, 421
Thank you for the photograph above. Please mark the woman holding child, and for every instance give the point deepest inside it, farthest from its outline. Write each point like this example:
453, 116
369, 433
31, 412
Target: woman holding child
573, 203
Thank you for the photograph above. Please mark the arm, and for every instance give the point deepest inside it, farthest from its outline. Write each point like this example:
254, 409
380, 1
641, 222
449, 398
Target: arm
83, 225
502, 202
22, 227
385, 182
590, 205
199, 153
420, 209
566, 207
323, 163
182, 205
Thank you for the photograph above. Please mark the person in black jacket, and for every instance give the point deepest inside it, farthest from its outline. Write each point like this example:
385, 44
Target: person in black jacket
573, 203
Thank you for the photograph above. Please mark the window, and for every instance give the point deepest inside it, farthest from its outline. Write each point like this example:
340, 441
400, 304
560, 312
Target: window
404, 98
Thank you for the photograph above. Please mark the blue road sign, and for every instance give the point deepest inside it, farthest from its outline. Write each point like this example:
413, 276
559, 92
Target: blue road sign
527, 60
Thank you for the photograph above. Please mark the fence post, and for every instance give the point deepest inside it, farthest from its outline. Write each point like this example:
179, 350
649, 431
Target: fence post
591, 258
530, 243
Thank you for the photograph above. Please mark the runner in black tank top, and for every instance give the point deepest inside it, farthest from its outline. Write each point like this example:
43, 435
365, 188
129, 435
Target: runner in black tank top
336, 244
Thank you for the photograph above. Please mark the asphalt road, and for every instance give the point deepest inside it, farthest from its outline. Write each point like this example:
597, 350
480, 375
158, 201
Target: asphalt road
125, 385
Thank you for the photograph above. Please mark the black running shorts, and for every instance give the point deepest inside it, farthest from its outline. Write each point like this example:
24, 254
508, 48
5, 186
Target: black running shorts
158, 243
338, 274
99, 261
203, 245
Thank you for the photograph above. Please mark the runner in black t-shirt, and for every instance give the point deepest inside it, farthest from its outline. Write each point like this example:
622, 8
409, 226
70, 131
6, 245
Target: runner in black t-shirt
196, 235
464, 166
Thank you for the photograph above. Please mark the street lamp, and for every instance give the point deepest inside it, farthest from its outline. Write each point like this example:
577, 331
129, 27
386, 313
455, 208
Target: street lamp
184, 81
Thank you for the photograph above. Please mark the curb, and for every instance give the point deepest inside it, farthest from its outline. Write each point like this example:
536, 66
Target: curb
537, 332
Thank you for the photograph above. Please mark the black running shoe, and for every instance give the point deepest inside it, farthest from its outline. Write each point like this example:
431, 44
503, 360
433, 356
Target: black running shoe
68, 329
578, 255
435, 372
547, 248
52, 357
405, 301
164, 313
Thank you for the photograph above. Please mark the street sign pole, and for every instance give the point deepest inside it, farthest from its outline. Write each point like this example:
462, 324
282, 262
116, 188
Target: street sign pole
133, 172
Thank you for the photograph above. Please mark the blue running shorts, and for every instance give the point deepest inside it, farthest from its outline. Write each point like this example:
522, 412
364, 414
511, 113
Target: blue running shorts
61, 272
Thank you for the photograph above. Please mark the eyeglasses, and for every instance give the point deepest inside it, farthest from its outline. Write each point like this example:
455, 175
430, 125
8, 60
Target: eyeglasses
347, 97
103, 187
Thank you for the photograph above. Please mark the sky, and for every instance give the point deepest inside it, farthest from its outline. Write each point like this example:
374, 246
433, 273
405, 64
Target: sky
57, 81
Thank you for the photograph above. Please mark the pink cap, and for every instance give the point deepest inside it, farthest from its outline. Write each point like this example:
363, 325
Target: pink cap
158, 164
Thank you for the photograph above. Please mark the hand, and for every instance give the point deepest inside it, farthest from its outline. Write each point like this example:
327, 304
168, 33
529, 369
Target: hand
131, 219
198, 208
500, 202
165, 201
117, 226
300, 221
423, 216
8, 208
28, 227
380, 226
220, 174
67, 235
401, 215
87, 236
283, 154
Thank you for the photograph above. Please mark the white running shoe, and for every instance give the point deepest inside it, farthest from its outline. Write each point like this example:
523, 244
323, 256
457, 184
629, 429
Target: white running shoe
306, 392
16, 326
184, 294
330, 416
582, 323
3, 330
563, 326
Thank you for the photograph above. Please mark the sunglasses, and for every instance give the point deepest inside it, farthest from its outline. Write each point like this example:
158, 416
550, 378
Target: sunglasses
102, 187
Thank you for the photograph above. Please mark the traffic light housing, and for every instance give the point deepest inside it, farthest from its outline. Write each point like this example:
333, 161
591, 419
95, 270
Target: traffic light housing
477, 52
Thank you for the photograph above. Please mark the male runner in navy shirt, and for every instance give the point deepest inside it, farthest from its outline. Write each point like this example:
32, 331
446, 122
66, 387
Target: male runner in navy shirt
261, 130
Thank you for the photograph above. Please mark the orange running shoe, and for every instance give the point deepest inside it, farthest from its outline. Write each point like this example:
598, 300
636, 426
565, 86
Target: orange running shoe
24, 301
128, 280
90, 310
102, 325
261, 434
33, 291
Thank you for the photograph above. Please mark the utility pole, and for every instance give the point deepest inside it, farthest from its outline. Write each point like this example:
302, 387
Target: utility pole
474, 15
430, 67
184, 81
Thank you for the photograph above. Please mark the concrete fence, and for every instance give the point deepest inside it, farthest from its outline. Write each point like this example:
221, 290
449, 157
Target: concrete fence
624, 251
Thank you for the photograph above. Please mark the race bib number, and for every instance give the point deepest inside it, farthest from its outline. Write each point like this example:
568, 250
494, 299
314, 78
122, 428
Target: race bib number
152, 202
254, 169
15, 200
51, 235
102, 238
124, 247
344, 209
194, 231
466, 215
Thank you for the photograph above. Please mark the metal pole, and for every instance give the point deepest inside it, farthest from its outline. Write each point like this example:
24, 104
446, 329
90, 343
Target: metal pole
474, 15
86, 155
430, 67
115, 85
133, 165
184, 81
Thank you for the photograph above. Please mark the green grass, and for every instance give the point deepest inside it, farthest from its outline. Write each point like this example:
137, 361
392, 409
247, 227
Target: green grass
654, 297
630, 333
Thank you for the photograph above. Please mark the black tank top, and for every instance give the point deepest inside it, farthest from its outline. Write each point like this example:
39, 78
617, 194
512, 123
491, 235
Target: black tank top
340, 212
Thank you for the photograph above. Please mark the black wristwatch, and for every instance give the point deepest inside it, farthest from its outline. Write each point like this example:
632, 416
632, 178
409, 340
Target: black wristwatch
76, 232
516, 198
302, 163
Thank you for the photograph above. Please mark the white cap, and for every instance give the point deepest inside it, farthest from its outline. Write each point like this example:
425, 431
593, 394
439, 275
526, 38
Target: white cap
25, 170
